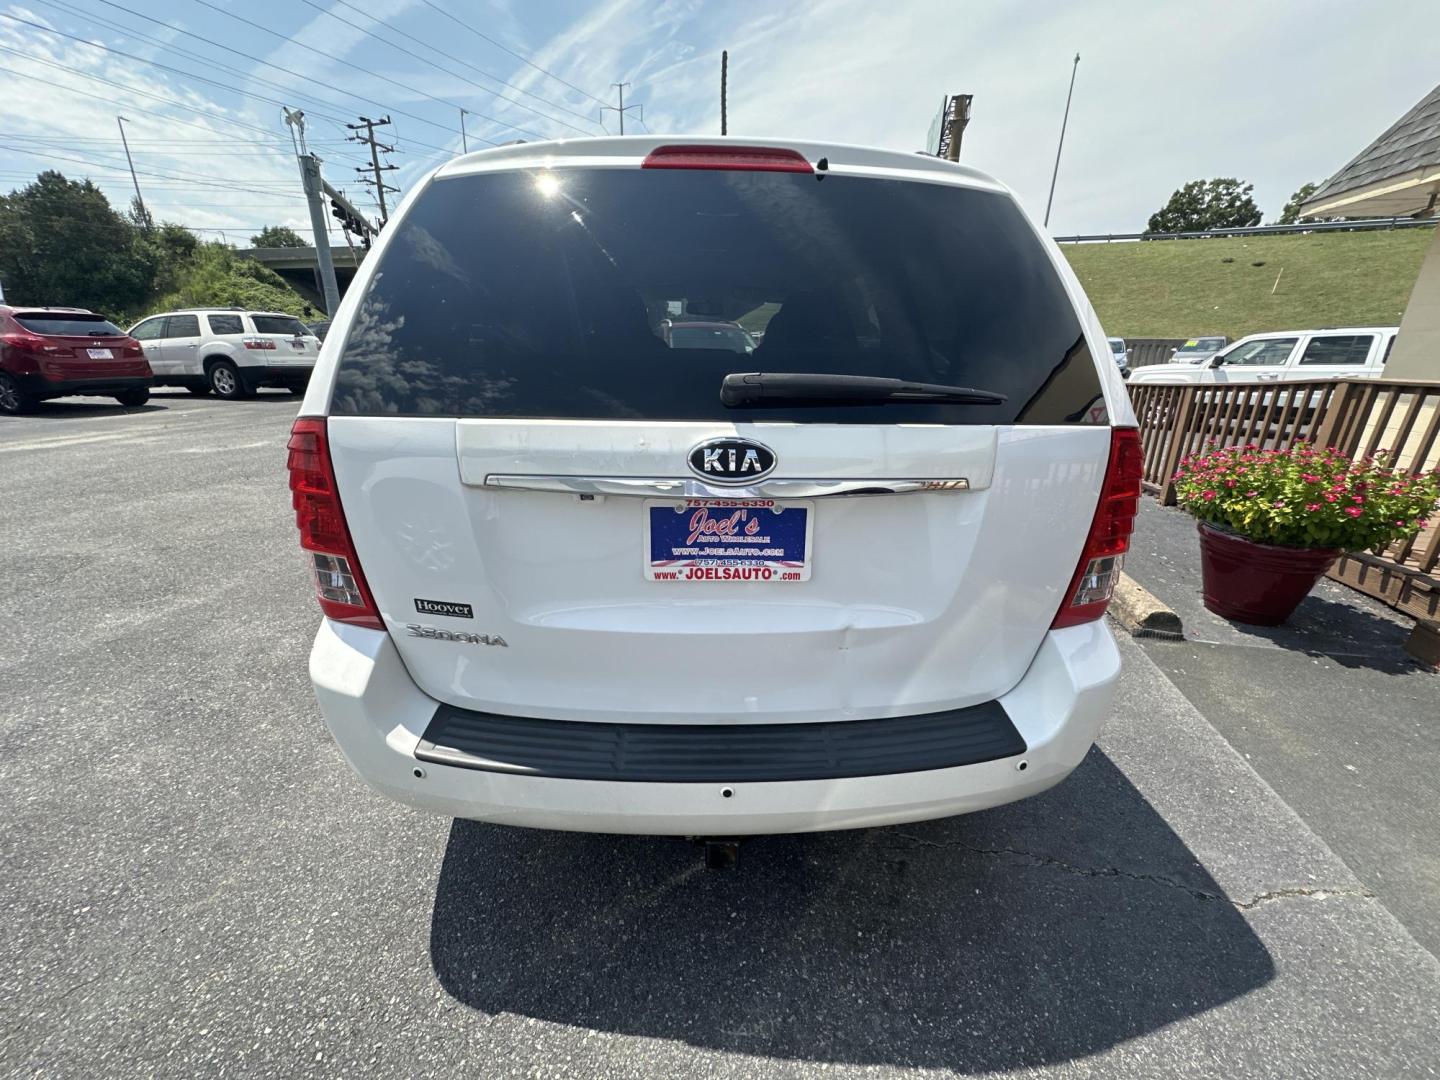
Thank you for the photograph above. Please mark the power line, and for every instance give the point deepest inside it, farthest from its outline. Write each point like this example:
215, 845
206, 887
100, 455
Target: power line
472, 67
110, 99
143, 172
350, 64
512, 52
437, 67
200, 78
277, 67
163, 67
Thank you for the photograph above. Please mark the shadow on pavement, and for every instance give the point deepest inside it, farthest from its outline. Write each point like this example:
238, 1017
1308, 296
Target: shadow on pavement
1342, 631
1333, 621
66, 409
1034, 933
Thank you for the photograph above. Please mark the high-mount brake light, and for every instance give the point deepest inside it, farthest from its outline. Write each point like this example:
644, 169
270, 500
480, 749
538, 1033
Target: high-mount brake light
339, 583
1104, 554
741, 158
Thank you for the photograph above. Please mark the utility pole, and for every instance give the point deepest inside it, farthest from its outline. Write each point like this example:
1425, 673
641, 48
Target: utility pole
724, 81
313, 185
1063, 124
959, 121
144, 214
310, 176
375, 167
623, 109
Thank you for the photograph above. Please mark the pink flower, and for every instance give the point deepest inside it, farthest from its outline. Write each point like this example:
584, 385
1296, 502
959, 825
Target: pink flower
1331, 498
1251, 494
1357, 499
1310, 478
1314, 506
1354, 511
1279, 503
1207, 495
1231, 483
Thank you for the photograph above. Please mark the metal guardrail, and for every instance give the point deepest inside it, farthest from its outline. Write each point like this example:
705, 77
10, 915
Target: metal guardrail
1364, 225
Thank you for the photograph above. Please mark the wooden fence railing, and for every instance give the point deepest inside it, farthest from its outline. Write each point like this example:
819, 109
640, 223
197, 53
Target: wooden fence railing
1357, 416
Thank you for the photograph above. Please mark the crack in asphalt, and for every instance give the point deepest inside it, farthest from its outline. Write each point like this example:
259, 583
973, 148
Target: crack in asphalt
1036, 859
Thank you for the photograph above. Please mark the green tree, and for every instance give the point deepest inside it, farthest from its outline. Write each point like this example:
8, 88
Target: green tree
281, 236
1291, 214
61, 243
1201, 205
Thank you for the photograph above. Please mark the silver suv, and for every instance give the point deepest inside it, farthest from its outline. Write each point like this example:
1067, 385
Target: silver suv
228, 350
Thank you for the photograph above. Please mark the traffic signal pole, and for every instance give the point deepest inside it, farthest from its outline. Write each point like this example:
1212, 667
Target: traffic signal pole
310, 176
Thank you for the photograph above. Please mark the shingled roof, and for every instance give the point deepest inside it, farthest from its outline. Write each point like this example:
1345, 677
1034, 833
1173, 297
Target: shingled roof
1396, 174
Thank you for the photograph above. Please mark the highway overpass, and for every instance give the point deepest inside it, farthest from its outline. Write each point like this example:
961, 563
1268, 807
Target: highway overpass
298, 267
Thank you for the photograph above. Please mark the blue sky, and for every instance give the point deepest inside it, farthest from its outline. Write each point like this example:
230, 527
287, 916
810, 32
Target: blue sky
1275, 93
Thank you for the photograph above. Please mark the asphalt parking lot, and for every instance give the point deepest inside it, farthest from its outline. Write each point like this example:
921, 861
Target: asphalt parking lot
195, 884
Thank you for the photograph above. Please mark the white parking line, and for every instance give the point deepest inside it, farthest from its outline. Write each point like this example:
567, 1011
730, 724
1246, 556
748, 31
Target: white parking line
70, 440
226, 449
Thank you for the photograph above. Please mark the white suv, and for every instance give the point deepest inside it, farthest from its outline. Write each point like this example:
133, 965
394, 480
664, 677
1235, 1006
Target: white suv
1355, 352
579, 576
228, 350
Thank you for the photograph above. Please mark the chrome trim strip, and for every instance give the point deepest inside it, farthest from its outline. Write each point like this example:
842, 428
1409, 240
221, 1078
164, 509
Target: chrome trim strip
659, 486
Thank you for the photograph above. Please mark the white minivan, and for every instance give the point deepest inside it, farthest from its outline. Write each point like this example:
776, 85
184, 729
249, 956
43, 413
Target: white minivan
1357, 352
577, 573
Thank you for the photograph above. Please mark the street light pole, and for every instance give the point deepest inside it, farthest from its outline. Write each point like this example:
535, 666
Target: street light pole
144, 214
1063, 124
464, 142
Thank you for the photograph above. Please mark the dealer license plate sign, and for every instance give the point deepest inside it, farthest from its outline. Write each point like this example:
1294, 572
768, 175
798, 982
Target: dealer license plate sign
728, 540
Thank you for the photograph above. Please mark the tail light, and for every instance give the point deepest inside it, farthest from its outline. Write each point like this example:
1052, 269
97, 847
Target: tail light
26, 342
258, 343
744, 158
132, 348
1104, 554
339, 583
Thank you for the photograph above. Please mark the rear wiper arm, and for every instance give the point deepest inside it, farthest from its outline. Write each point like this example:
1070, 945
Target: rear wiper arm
757, 389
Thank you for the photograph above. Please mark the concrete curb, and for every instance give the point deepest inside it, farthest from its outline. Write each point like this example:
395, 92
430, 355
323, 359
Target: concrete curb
1142, 613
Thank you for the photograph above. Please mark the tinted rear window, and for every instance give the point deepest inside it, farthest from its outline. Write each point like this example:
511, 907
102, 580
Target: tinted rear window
67, 324
225, 324
539, 294
279, 324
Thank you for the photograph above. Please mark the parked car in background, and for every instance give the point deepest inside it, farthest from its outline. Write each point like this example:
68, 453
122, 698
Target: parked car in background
726, 336
1198, 350
1286, 355
230, 351
56, 352
857, 577
1121, 354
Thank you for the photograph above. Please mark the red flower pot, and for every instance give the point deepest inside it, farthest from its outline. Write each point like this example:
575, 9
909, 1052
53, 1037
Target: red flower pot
1260, 584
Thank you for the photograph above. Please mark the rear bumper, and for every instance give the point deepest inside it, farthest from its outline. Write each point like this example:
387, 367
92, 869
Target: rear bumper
41, 386
277, 374
379, 718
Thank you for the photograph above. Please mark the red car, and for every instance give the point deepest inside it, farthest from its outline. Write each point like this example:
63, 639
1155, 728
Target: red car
55, 352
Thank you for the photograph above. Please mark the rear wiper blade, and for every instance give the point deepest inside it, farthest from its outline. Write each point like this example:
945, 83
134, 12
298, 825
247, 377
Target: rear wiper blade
756, 389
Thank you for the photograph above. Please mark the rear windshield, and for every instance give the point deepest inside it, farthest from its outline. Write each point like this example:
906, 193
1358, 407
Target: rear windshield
279, 324
67, 324
563, 294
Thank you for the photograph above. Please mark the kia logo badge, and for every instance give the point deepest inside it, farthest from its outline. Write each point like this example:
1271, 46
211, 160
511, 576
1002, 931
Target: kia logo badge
732, 461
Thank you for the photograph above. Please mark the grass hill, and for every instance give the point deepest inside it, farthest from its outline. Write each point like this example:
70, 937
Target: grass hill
1181, 288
